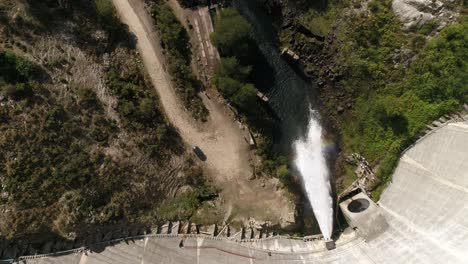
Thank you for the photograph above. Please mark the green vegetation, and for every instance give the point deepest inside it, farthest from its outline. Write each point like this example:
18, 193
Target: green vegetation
230, 78
394, 104
18, 75
107, 17
246, 97
16, 69
176, 42
316, 17
283, 173
185, 206
135, 104
393, 101
78, 156
232, 36
320, 20
58, 158
396, 81
428, 27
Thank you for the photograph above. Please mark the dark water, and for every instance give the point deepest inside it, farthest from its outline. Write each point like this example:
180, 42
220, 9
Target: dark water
291, 96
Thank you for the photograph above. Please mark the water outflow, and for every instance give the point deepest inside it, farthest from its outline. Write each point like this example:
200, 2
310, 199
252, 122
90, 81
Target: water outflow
311, 163
290, 95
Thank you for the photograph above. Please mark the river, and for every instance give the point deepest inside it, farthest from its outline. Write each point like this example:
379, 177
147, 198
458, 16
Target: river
290, 95
293, 100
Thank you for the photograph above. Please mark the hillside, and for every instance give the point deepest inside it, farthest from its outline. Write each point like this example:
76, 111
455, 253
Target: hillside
385, 70
84, 144
96, 116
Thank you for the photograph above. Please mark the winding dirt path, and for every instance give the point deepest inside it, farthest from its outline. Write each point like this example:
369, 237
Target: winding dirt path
220, 137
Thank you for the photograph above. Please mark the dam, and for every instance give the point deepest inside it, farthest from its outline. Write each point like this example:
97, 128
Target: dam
421, 219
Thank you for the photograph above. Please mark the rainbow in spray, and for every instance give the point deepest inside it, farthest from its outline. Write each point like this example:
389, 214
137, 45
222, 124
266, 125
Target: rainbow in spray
311, 163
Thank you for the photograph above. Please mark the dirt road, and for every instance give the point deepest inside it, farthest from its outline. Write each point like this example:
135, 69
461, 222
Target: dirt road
220, 137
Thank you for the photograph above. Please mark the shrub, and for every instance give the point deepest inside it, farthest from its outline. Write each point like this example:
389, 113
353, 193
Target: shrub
14, 68
230, 67
147, 109
17, 91
227, 86
230, 77
246, 98
86, 94
107, 16
429, 27
175, 40
174, 37
375, 6
283, 174
53, 163
393, 104
417, 42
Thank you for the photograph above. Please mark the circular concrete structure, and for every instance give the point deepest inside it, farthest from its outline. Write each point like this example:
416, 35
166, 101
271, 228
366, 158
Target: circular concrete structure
426, 208
358, 205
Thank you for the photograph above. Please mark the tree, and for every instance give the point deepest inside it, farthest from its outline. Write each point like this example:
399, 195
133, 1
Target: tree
227, 86
232, 34
147, 108
230, 67
174, 37
14, 68
246, 97
127, 108
283, 174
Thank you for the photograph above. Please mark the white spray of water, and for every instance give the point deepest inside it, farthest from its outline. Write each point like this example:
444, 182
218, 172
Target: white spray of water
311, 163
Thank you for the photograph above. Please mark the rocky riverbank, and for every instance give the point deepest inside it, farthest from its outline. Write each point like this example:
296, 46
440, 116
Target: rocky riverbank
356, 51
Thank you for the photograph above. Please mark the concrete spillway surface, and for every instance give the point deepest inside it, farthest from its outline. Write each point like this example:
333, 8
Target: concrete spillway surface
426, 208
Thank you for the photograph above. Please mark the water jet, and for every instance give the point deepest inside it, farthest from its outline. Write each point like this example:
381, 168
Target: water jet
311, 163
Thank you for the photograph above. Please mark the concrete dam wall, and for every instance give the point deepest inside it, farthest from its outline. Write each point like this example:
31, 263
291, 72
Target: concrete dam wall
425, 210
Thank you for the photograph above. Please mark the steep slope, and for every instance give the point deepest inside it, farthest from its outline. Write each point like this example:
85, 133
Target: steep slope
84, 146
220, 138
384, 73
